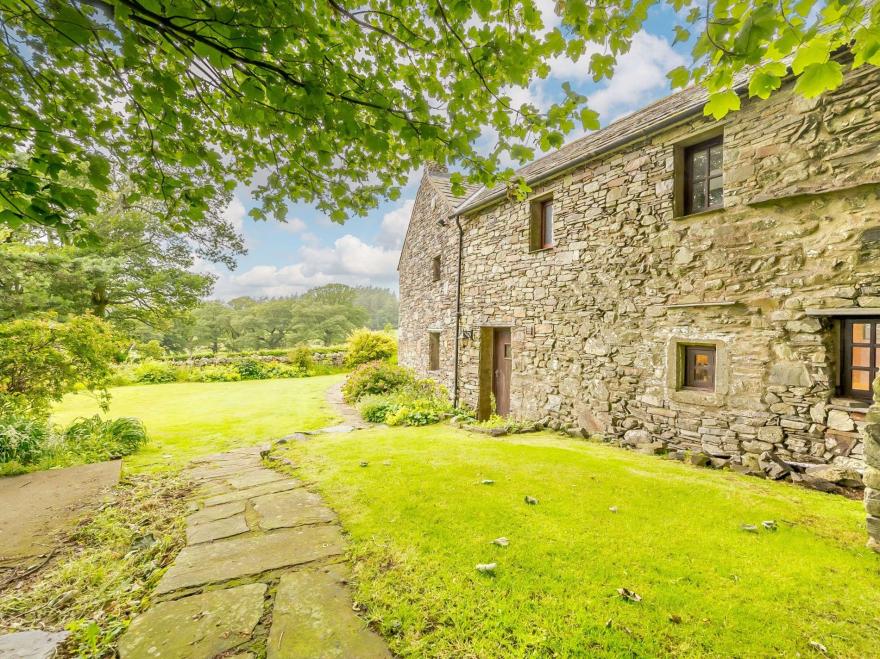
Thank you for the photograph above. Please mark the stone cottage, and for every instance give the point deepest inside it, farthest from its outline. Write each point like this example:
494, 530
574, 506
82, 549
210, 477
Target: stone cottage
672, 282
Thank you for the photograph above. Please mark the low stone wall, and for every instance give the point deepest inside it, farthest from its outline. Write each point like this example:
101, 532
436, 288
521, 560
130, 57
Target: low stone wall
872, 470
333, 358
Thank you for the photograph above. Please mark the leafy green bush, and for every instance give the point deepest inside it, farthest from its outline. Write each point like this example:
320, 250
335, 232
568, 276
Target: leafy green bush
22, 439
95, 439
376, 378
366, 346
219, 373
42, 359
420, 412
301, 357
155, 372
251, 369
376, 408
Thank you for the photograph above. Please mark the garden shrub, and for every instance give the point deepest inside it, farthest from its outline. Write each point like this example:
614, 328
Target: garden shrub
376, 378
22, 439
367, 346
375, 409
251, 369
219, 373
420, 412
95, 439
301, 357
155, 372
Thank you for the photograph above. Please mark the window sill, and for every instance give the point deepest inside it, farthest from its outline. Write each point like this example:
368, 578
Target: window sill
708, 211
697, 397
542, 249
848, 404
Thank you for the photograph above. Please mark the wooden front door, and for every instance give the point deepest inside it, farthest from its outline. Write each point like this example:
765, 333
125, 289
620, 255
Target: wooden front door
501, 370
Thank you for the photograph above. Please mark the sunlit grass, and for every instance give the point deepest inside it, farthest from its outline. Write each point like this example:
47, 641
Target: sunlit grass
185, 420
420, 521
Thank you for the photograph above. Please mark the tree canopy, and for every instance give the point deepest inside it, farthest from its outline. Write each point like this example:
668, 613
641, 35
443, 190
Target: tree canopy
135, 268
335, 103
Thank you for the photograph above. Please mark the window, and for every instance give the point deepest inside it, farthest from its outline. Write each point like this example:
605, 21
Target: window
541, 229
861, 356
699, 367
547, 223
435, 269
433, 351
703, 176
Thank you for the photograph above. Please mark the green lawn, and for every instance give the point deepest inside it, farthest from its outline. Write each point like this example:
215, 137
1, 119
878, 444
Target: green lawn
420, 521
185, 420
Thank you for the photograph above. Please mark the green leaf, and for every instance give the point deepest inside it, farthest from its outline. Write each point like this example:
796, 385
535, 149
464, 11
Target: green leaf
679, 77
814, 51
589, 119
720, 103
819, 78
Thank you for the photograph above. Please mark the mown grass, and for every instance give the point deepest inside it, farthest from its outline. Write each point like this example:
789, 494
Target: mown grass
185, 420
420, 520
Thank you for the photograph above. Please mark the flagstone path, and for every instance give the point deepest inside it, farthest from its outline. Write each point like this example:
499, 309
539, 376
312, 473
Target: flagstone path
262, 574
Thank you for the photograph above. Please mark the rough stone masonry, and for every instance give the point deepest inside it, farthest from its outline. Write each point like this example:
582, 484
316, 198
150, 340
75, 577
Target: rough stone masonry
598, 320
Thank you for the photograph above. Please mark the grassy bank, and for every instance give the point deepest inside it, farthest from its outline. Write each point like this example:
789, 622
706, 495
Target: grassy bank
420, 520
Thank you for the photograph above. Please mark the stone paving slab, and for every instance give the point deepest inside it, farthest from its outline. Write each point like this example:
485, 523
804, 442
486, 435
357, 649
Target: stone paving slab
31, 644
213, 513
292, 508
232, 558
250, 493
197, 626
254, 478
215, 530
312, 617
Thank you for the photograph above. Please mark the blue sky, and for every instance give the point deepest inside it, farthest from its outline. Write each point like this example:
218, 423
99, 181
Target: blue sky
310, 250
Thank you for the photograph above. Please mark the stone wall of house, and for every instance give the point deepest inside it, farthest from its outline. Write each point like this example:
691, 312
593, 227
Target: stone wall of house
595, 321
428, 305
872, 471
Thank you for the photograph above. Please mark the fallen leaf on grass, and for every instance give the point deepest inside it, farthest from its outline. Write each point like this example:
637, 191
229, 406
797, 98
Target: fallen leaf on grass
675, 619
486, 568
818, 647
501, 542
629, 595
532, 501
749, 528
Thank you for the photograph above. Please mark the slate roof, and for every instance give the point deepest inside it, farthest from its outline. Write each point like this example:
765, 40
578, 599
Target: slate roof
673, 108
444, 187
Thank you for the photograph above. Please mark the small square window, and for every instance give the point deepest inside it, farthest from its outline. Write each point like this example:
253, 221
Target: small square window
433, 351
860, 361
541, 229
699, 368
703, 176
435, 269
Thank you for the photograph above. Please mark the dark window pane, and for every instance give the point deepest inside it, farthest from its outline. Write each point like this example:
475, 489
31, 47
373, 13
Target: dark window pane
715, 160
698, 197
699, 364
698, 165
715, 191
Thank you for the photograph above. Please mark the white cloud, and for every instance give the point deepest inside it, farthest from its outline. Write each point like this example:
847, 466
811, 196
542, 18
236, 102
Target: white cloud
394, 224
349, 261
292, 225
235, 213
639, 77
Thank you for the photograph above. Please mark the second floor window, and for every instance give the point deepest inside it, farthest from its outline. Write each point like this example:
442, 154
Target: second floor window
433, 351
541, 229
703, 185
435, 269
547, 223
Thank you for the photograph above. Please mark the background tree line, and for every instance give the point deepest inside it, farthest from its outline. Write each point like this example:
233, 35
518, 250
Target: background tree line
326, 315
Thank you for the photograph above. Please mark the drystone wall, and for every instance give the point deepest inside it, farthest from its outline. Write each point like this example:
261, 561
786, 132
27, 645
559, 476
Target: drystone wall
596, 321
